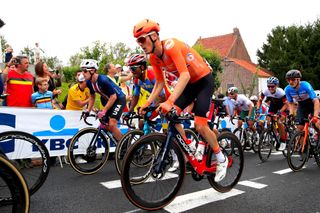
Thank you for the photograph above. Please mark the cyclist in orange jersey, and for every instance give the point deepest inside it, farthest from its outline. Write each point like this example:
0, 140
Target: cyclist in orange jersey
195, 82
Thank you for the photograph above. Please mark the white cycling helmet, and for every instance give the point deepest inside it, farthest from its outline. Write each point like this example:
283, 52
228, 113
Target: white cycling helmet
317, 93
254, 98
89, 64
233, 90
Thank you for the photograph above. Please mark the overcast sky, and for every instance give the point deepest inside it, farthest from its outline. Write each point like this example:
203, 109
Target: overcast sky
62, 27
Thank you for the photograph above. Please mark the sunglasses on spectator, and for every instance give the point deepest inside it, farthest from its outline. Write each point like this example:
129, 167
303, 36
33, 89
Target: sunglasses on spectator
271, 86
134, 68
143, 38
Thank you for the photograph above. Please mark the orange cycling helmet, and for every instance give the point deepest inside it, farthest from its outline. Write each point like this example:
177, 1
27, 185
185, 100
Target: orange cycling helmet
145, 26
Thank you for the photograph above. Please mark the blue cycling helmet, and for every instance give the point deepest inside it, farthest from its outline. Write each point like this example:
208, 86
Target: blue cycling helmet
273, 80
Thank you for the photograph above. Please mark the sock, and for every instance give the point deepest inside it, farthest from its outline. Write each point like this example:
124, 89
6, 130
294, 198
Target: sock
219, 155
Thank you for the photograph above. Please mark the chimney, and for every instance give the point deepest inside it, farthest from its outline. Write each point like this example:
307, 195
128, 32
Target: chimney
236, 31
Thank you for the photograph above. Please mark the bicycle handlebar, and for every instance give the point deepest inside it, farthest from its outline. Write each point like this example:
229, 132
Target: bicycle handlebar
85, 115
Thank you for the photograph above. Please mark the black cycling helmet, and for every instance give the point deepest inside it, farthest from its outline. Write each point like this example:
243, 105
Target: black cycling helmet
293, 74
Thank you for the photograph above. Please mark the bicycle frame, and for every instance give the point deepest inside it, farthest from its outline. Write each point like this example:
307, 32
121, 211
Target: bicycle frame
200, 167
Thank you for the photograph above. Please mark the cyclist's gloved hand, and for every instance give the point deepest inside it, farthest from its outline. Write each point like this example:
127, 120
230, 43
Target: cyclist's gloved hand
101, 114
85, 114
166, 106
314, 119
145, 105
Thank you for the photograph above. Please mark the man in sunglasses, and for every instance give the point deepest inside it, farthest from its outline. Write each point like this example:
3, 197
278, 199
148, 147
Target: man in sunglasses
278, 105
195, 82
112, 98
303, 93
143, 78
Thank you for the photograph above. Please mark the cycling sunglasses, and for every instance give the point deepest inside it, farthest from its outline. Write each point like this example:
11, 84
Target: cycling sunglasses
85, 70
143, 38
271, 86
134, 68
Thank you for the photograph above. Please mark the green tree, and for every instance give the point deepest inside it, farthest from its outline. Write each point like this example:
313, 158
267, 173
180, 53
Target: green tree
293, 47
2, 44
52, 62
27, 51
214, 61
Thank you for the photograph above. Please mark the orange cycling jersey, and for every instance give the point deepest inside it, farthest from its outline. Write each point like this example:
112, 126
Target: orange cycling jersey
178, 57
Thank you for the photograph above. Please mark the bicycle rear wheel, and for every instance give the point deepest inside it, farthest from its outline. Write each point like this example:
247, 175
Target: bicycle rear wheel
265, 145
295, 156
14, 192
88, 151
161, 187
29, 155
231, 147
126, 141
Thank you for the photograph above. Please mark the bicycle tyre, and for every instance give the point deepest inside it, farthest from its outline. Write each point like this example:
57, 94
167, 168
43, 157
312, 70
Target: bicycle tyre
14, 196
142, 195
240, 134
316, 154
84, 158
265, 145
233, 149
34, 168
295, 158
123, 145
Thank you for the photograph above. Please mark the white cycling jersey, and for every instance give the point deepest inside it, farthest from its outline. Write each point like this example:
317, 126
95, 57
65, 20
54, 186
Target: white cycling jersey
243, 102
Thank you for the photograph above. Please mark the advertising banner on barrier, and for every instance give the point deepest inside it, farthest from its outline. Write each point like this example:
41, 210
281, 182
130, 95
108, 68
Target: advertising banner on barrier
54, 128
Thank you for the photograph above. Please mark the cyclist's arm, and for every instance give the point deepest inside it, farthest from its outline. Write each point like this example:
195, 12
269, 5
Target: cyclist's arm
133, 103
92, 99
181, 85
156, 91
291, 108
316, 107
110, 102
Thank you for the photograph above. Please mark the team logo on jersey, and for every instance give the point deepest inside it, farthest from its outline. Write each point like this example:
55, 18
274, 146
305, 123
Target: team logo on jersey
169, 44
190, 57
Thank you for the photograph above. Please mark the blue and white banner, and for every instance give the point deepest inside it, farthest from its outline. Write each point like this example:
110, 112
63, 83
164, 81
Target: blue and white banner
54, 128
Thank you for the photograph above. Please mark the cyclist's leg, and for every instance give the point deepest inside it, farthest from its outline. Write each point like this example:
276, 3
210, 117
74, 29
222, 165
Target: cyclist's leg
114, 114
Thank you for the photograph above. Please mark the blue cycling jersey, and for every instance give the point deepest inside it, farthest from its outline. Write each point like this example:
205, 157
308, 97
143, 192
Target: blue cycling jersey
105, 87
304, 93
147, 84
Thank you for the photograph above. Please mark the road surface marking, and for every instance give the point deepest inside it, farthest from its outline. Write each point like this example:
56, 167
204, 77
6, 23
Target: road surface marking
252, 184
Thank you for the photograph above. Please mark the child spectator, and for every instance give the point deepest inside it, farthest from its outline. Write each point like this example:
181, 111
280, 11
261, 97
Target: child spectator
43, 98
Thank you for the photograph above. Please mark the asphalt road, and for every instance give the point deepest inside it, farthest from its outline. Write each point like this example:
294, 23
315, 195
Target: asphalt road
267, 187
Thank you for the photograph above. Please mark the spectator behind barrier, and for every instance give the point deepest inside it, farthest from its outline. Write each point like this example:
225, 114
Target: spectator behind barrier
78, 94
43, 98
19, 82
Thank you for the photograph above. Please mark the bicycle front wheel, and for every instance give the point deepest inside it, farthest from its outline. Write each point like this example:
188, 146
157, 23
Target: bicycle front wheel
126, 141
231, 147
162, 186
265, 145
88, 151
297, 157
29, 155
240, 133
14, 192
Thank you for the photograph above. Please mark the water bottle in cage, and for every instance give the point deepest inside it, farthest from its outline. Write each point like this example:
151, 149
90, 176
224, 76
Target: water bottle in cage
200, 150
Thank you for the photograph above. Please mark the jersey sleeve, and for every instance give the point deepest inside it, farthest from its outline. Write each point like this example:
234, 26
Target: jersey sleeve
33, 98
174, 51
288, 96
310, 91
89, 85
107, 86
136, 91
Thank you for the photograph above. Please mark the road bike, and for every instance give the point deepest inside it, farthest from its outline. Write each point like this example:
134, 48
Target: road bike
159, 187
149, 126
89, 148
14, 192
303, 145
270, 137
34, 163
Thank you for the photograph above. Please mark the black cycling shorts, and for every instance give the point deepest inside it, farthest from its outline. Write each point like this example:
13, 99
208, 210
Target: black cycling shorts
199, 92
116, 110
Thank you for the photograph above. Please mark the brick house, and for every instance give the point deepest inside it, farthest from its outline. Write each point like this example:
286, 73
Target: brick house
238, 69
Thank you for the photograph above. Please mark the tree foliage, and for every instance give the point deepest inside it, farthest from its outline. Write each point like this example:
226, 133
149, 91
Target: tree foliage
27, 51
213, 59
293, 47
104, 53
3, 42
